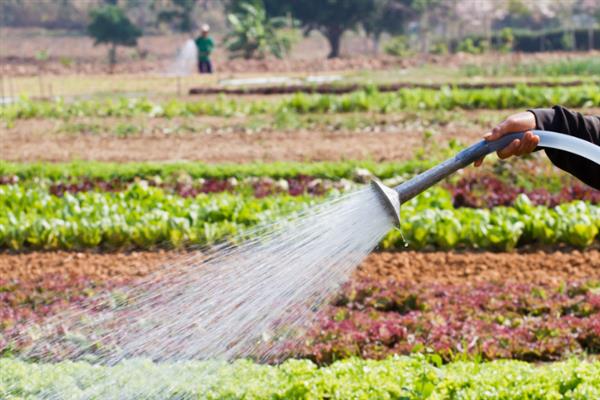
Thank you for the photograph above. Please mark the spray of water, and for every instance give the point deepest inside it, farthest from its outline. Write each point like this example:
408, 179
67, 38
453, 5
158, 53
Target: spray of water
252, 298
185, 63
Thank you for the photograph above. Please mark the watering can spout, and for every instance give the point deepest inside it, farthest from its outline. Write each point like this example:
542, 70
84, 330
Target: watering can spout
392, 198
389, 198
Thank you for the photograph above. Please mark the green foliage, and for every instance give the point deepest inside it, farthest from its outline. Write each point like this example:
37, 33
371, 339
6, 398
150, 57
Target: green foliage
109, 25
388, 16
179, 15
581, 66
253, 34
331, 17
531, 41
568, 41
145, 218
407, 378
397, 46
468, 46
507, 39
36, 172
446, 98
439, 48
431, 221
140, 217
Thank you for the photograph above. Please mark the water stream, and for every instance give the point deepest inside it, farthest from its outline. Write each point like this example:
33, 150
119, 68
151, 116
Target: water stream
251, 298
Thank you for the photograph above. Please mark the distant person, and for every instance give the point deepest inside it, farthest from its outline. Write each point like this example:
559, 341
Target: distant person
205, 46
556, 119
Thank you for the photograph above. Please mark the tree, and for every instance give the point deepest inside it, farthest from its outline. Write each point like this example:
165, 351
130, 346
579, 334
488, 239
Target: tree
332, 18
387, 16
180, 15
109, 25
254, 34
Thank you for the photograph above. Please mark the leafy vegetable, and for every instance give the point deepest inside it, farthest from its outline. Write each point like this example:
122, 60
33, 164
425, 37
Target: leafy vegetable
447, 98
376, 319
394, 378
145, 217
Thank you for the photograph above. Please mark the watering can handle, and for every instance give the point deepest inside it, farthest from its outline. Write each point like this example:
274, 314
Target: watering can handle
423, 181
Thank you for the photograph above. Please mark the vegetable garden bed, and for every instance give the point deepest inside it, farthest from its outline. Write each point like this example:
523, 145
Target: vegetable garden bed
395, 378
472, 305
143, 217
342, 88
447, 98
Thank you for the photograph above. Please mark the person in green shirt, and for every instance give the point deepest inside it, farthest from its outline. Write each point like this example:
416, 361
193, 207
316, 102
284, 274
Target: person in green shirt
205, 46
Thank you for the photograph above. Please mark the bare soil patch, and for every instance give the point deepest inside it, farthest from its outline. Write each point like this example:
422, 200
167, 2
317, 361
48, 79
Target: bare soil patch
32, 267
379, 143
548, 267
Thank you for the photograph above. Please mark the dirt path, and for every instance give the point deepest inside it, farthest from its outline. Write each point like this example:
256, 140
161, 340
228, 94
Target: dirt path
435, 267
300, 145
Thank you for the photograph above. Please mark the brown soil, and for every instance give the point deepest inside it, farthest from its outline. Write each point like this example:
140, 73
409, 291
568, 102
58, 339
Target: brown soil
454, 267
435, 267
31, 267
33, 143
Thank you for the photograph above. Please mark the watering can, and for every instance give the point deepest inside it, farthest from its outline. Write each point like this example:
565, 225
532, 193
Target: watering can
391, 198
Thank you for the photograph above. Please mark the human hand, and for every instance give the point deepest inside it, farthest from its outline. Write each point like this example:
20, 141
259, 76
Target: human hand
524, 121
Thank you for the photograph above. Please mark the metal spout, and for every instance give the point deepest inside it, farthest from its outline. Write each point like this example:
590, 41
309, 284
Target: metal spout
389, 198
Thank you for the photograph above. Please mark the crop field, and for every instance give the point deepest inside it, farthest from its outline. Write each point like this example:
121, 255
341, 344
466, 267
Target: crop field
488, 288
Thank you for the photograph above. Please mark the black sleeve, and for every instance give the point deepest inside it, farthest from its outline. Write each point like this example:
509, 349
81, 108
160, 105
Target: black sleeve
559, 119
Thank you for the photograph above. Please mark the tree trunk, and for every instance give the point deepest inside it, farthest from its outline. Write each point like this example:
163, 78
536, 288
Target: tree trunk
334, 36
424, 32
375, 38
112, 58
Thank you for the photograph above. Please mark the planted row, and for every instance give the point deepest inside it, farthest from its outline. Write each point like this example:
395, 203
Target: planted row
178, 171
394, 378
376, 319
144, 217
446, 98
431, 221
475, 191
485, 191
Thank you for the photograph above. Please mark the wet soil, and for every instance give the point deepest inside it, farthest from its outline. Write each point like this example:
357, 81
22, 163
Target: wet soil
550, 267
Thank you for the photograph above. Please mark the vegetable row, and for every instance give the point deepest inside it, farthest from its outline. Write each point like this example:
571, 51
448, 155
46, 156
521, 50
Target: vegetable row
144, 217
475, 191
376, 319
394, 378
177, 171
361, 101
